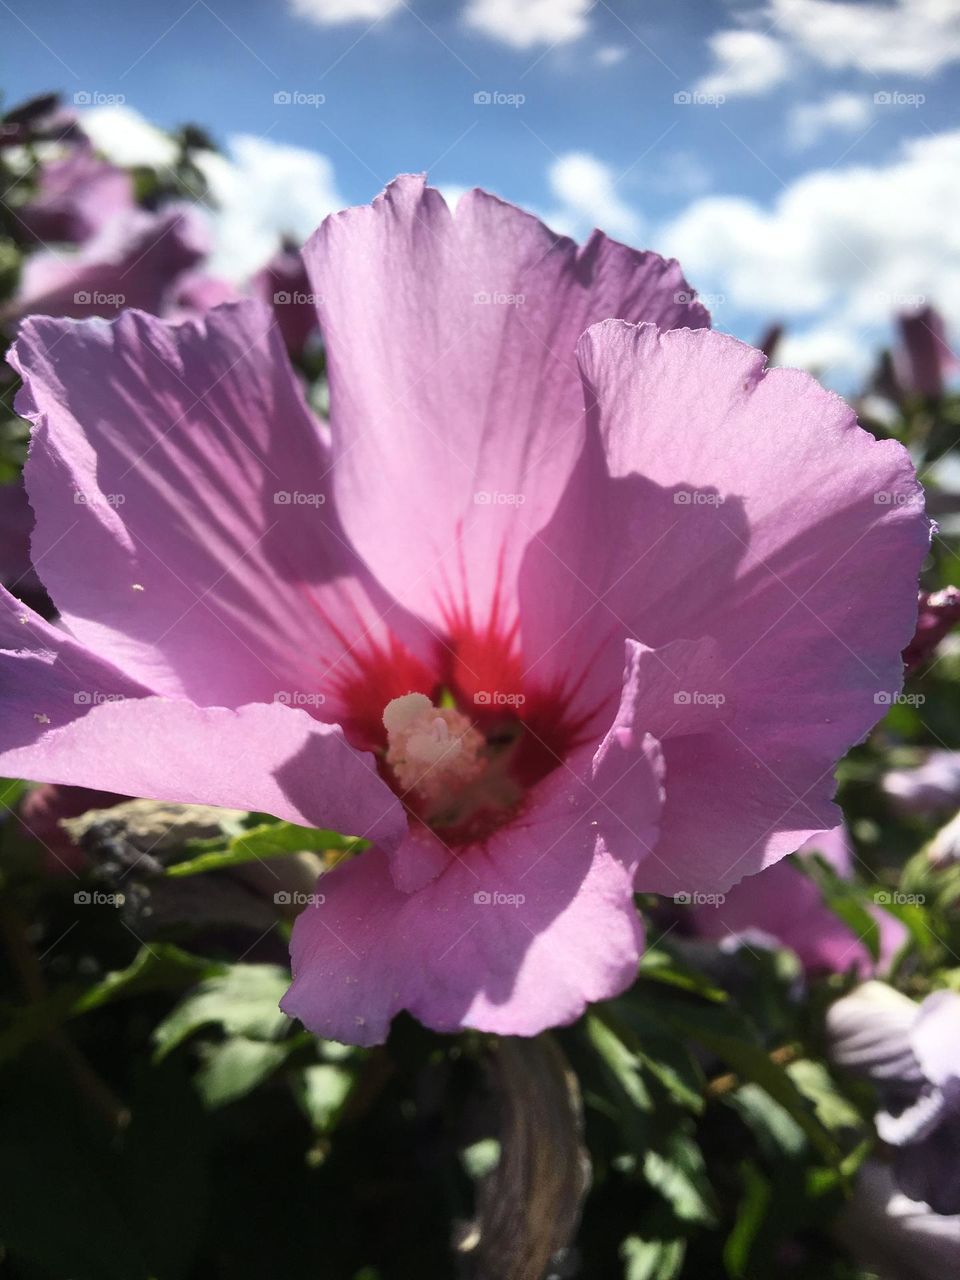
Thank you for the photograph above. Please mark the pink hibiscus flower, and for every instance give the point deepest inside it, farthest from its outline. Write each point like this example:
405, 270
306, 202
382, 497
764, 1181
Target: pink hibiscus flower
782, 906
559, 605
283, 284
132, 260
77, 195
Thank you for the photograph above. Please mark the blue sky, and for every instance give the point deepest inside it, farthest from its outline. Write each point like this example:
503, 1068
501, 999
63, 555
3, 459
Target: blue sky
798, 183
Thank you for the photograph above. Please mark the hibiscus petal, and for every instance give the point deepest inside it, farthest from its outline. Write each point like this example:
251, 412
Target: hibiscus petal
71, 718
183, 529
868, 1031
787, 906
455, 397
512, 937
751, 509
128, 263
935, 1037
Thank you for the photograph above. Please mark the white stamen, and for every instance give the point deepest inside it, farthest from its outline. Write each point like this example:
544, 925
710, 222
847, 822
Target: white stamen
433, 750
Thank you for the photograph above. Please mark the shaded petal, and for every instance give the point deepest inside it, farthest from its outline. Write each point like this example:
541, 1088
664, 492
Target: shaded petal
713, 500
512, 937
923, 360
129, 263
455, 398
183, 529
869, 1032
76, 196
16, 521
835, 848
786, 905
283, 284
936, 1037
929, 1170
928, 787
915, 1121
898, 1236
69, 717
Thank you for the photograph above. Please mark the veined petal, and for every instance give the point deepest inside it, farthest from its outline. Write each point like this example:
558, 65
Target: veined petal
712, 500
183, 526
455, 398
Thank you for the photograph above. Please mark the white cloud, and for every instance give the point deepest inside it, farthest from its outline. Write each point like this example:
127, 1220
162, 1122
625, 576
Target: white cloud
126, 138
263, 191
586, 189
907, 37
808, 122
522, 23
849, 246
611, 54
677, 174
825, 350
746, 64
327, 13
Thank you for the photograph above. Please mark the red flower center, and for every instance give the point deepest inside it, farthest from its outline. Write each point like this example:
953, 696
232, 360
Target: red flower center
462, 755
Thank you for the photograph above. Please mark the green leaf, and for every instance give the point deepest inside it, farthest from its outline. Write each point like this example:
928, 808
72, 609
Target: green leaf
270, 840
732, 1040
235, 1067
751, 1214
778, 1135
814, 1081
622, 1065
658, 965
652, 1259
324, 1088
11, 789
158, 967
622, 1093
679, 1174
664, 1055
242, 1001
